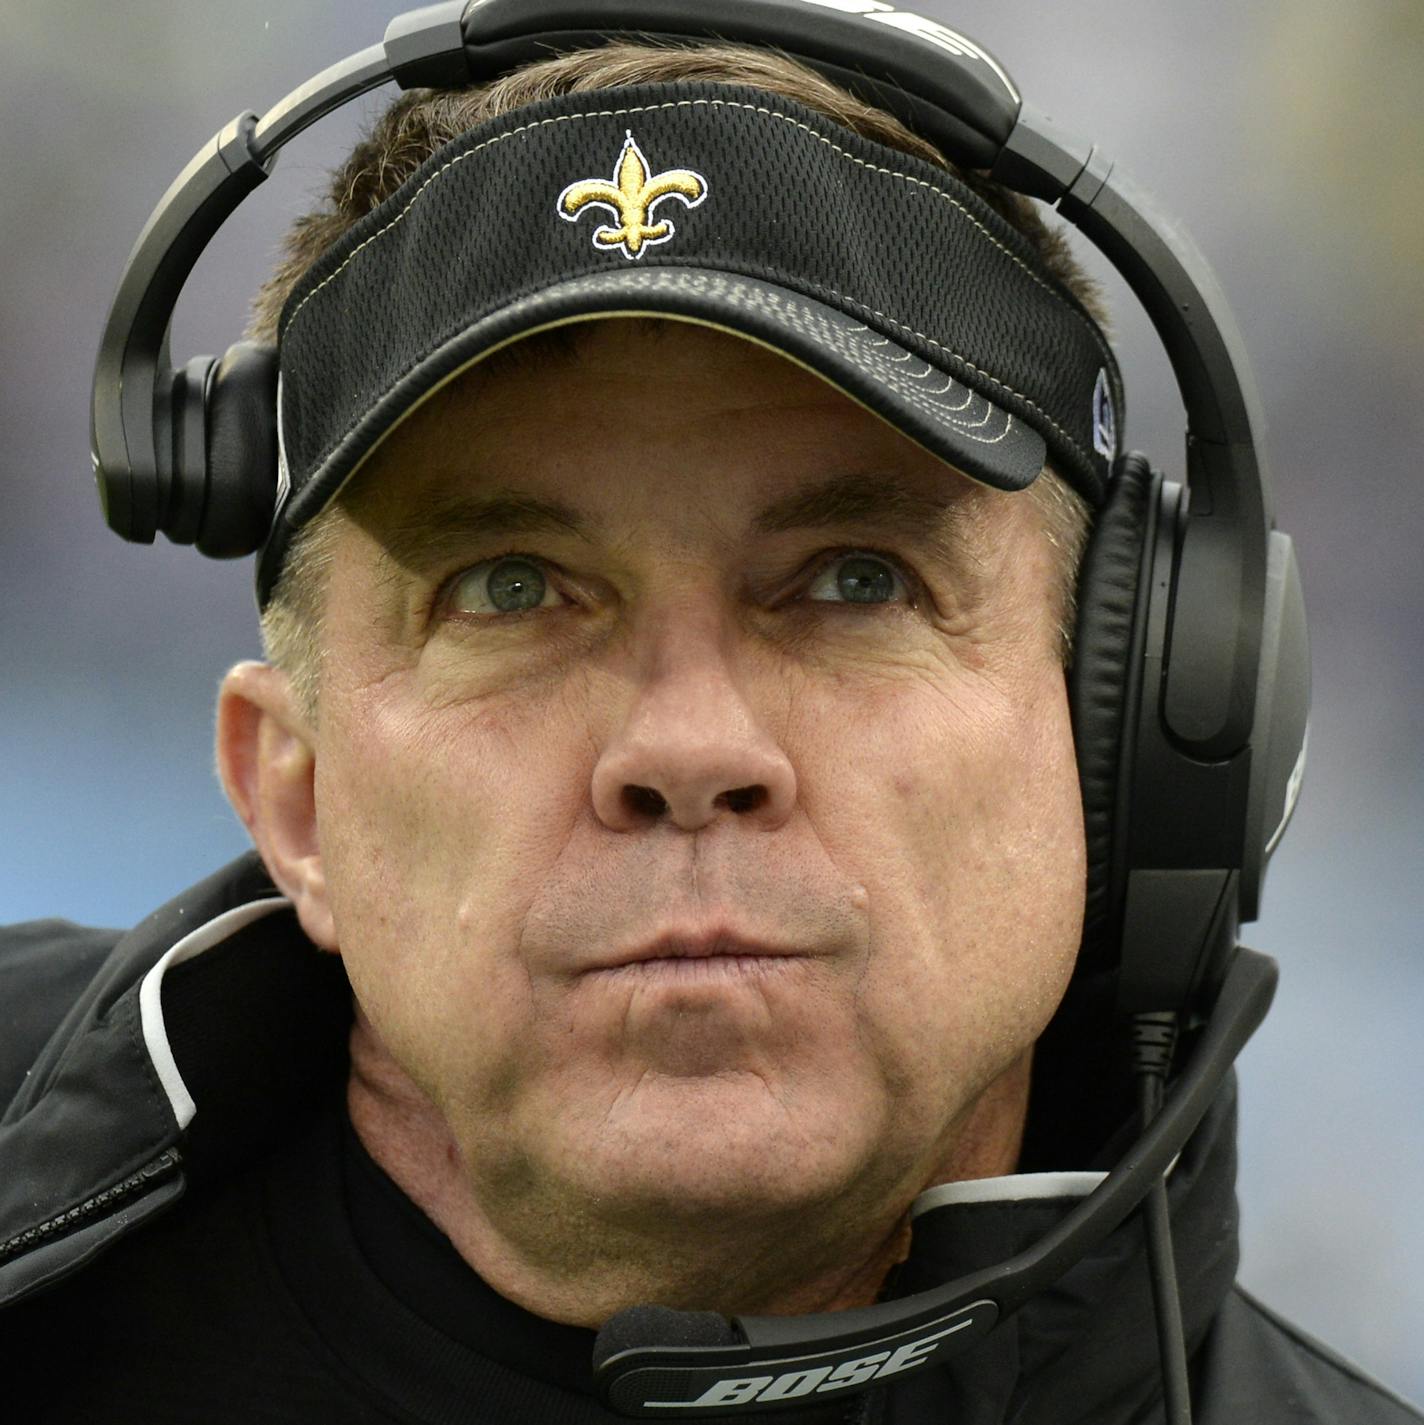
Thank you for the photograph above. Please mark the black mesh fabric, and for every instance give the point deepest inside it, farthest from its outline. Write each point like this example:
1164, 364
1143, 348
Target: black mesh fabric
878, 270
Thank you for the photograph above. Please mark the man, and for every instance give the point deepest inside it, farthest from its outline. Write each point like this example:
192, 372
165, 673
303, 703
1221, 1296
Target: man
669, 846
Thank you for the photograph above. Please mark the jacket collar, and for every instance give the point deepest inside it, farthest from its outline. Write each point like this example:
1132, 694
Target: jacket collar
211, 1026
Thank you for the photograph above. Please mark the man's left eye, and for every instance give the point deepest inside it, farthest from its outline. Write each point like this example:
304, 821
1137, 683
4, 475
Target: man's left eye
857, 577
509, 584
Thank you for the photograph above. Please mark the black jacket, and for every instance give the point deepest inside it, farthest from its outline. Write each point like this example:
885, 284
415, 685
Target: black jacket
147, 1073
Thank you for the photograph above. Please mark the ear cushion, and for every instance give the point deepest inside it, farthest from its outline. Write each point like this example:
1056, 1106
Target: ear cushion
242, 452
1099, 681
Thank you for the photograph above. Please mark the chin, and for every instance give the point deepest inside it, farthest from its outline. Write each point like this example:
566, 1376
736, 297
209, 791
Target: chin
729, 1143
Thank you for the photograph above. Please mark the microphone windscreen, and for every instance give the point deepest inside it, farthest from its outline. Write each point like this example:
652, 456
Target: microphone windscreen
640, 1326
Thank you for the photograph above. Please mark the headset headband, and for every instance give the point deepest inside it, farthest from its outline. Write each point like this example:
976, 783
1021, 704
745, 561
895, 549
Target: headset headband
942, 85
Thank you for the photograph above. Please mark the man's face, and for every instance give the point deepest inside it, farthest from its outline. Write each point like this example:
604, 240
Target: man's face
694, 786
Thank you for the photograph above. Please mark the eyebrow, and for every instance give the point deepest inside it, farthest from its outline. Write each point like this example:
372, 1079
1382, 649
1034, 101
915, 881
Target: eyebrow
440, 527
859, 499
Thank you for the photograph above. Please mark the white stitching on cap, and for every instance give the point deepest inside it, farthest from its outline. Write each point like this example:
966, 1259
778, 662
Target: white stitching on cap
989, 439
751, 108
1028, 401
938, 409
949, 351
943, 390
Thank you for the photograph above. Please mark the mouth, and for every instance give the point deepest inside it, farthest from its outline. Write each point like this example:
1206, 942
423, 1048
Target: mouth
698, 956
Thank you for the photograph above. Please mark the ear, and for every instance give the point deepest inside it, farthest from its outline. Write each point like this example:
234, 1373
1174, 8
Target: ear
266, 755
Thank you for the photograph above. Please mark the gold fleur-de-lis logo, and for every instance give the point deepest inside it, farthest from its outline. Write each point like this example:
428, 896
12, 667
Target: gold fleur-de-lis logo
631, 198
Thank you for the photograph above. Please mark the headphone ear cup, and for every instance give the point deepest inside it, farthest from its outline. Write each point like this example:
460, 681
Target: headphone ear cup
1101, 682
242, 452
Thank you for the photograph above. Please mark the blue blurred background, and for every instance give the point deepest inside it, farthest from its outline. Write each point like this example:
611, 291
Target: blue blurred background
1290, 138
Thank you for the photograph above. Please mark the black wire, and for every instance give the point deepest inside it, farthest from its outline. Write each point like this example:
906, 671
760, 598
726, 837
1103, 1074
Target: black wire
1162, 1267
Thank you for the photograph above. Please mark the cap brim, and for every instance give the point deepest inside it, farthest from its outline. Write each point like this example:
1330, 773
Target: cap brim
922, 401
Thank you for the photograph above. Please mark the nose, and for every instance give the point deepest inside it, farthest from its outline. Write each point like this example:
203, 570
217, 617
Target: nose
690, 749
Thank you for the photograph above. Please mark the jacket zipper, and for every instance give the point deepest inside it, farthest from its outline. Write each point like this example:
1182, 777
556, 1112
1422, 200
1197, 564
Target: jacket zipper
163, 1166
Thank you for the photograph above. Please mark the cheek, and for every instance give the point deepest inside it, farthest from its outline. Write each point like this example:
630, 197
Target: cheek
437, 828
410, 797
967, 833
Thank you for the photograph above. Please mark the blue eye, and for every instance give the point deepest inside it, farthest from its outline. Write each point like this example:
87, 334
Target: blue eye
509, 584
858, 578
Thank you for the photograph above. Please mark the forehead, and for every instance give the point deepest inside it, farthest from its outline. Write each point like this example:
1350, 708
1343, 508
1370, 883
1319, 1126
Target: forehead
612, 418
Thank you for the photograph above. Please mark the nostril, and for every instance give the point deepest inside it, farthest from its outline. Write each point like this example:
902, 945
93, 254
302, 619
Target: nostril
644, 800
743, 798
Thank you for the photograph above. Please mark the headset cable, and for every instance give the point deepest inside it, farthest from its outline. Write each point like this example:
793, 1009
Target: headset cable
1154, 1037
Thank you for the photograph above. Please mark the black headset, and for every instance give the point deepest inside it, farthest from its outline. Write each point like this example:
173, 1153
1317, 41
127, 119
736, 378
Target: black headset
1190, 681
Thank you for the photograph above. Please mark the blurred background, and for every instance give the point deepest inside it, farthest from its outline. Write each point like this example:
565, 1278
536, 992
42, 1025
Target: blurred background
1290, 139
